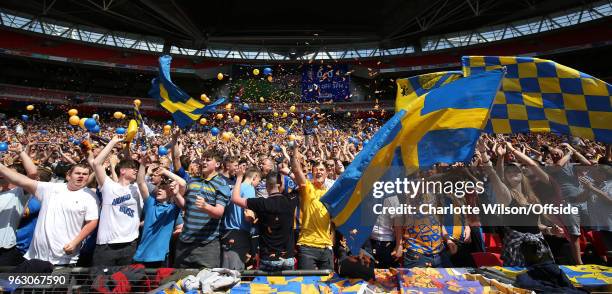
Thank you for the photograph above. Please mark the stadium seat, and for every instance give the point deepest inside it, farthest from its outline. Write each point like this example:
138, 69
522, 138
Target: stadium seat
486, 259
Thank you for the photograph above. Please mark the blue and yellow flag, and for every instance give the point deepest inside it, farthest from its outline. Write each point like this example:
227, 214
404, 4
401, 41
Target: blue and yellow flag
184, 108
411, 88
441, 126
539, 95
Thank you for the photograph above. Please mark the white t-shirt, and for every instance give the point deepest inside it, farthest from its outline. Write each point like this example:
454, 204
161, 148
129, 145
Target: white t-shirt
120, 213
11, 208
383, 229
61, 218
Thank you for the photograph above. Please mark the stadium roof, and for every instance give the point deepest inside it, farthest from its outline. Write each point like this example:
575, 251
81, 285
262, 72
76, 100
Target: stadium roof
283, 30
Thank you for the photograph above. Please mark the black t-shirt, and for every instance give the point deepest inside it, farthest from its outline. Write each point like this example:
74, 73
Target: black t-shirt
275, 214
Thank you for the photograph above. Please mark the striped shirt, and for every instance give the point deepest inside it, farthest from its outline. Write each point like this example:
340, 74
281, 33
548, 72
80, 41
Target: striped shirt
198, 225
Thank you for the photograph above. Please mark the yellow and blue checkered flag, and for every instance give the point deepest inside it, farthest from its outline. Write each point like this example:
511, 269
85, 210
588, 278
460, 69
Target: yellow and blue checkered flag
184, 109
409, 89
440, 126
539, 95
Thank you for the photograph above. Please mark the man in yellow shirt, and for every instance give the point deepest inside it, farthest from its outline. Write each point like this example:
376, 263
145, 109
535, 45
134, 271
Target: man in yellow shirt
315, 239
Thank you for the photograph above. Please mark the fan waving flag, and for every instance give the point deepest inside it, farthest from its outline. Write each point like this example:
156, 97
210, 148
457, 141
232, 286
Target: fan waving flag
184, 109
441, 126
539, 95
411, 88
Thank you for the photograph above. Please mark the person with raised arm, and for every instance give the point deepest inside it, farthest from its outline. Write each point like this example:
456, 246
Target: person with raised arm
121, 207
275, 221
161, 209
69, 213
315, 239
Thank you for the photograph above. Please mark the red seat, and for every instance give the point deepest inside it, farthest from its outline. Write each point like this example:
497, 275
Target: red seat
492, 242
486, 259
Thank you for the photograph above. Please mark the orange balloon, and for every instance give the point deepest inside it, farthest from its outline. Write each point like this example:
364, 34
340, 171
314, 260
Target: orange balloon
30, 107
219, 116
73, 112
117, 114
137, 103
74, 120
226, 136
82, 123
236, 119
203, 121
270, 79
243, 122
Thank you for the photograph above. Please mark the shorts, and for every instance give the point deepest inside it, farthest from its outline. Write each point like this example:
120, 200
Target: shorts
573, 222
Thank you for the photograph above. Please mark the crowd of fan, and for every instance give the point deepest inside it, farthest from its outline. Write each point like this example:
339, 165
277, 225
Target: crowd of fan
251, 200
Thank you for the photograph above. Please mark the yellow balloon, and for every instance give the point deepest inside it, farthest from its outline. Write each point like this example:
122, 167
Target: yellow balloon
270, 79
284, 115
219, 116
137, 103
122, 115
269, 126
291, 137
73, 112
220, 76
30, 107
74, 120
281, 130
82, 122
236, 119
131, 131
243, 122
228, 106
226, 136
206, 99
256, 71
167, 128
292, 109
261, 99
117, 115
203, 121
203, 97
276, 114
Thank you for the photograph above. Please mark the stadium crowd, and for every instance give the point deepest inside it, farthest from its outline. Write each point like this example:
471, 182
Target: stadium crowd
249, 197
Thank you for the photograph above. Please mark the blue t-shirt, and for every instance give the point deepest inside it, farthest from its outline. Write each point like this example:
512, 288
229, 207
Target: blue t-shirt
157, 231
27, 225
233, 218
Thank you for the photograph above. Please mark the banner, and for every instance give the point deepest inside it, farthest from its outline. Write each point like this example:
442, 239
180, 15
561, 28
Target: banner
321, 83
